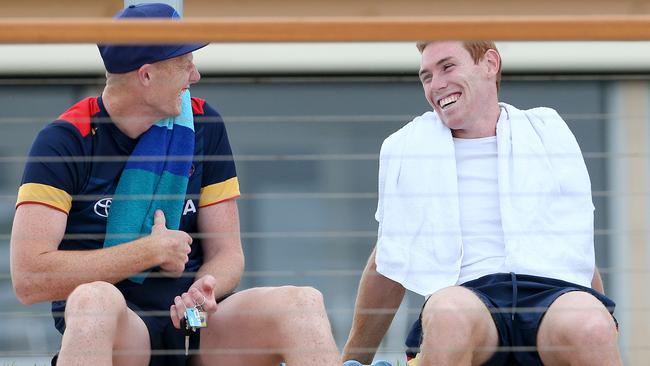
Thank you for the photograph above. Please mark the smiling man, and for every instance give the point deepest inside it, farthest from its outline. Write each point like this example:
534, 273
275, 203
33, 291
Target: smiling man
127, 218
486, 210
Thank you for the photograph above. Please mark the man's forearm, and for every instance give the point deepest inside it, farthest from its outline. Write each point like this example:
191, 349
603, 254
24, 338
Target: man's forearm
377, 302
54, 275
226, 269
222, 251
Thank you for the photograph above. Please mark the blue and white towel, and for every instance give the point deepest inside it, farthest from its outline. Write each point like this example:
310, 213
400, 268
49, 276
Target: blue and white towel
155, 177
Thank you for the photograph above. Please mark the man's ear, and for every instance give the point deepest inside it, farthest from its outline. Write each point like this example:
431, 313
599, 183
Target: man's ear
144, 74
493, 61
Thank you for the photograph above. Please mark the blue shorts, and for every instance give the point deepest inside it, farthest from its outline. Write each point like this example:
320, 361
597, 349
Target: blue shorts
167, 342
516, 328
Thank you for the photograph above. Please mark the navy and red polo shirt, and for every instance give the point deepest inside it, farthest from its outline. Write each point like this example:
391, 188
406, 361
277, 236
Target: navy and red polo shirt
75, 164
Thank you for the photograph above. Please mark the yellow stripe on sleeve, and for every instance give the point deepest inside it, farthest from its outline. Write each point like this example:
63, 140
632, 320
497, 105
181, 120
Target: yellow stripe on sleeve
45, 195
218, 192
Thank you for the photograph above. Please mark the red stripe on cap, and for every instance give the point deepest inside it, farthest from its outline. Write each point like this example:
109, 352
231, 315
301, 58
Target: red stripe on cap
80, 114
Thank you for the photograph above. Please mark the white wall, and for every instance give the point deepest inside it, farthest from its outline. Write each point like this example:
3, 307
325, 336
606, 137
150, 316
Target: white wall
380, 57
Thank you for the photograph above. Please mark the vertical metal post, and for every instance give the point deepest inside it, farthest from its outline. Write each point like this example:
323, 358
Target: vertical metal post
177, 4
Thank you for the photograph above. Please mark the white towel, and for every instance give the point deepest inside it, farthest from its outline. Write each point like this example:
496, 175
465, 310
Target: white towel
545, 200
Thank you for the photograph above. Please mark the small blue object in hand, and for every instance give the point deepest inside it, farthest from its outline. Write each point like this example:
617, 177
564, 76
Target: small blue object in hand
193, 318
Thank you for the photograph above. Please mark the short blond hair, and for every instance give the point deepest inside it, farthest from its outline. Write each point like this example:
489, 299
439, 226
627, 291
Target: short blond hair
476, 49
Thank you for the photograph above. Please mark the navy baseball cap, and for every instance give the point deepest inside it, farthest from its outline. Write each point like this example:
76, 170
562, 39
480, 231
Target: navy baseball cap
122, 58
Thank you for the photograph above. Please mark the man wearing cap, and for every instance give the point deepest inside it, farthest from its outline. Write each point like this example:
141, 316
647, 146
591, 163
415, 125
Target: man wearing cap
111, 191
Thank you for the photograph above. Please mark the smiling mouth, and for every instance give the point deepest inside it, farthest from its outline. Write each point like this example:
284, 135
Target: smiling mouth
448, 100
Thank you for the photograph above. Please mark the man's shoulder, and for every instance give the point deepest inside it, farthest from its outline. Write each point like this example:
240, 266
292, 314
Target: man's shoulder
71, 132
545, 114
547, 124
536, 114
397, 136
80, 115
205, 116
200, 107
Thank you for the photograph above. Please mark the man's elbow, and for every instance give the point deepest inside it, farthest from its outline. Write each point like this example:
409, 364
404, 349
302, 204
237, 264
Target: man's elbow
25, 292
29, 288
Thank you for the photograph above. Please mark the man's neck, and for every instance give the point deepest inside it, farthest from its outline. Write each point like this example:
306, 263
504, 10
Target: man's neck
486, 126
129, 114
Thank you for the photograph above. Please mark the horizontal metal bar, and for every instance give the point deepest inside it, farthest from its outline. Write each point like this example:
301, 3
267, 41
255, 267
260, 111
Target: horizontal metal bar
325, 29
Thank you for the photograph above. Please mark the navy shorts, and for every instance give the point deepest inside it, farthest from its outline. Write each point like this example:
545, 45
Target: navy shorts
167, 342
507, 291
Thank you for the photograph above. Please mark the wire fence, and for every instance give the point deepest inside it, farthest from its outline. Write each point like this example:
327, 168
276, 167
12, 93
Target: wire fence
263, 229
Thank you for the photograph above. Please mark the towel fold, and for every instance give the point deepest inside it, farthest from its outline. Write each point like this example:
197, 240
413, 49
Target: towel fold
155, 177
544, 191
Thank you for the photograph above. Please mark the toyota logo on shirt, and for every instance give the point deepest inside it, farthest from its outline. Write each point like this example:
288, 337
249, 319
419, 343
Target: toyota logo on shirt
103, 206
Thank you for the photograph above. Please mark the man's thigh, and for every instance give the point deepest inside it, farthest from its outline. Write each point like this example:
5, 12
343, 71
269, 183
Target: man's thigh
239, 332
264, 326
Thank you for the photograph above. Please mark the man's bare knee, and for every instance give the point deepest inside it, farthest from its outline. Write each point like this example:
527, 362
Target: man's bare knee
577, 327
457, 328
459, 313
599, 329
94, 300
577, 312
292, 307
589, 329
297, 298
95, 293
454, 306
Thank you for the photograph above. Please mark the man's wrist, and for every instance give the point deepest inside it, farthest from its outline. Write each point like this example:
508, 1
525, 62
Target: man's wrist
152, 251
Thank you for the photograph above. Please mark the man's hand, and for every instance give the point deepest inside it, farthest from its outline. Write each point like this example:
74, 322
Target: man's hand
200, 293
174, 245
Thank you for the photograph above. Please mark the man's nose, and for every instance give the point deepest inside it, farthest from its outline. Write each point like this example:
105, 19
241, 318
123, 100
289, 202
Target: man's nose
438, 83
195, 75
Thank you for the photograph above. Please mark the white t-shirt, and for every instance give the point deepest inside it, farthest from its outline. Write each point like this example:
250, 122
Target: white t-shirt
480, 215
